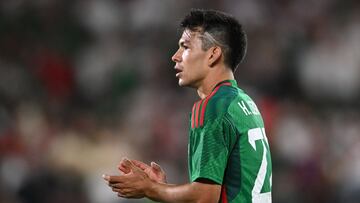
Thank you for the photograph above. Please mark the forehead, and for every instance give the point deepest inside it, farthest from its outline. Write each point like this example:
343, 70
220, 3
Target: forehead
189, 36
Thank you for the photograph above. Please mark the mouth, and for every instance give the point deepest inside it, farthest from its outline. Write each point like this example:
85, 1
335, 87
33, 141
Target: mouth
178, 71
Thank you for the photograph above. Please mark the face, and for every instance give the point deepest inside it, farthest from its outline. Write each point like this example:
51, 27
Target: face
191, 61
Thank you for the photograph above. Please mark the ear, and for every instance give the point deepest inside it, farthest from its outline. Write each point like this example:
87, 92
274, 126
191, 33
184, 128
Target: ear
215, 53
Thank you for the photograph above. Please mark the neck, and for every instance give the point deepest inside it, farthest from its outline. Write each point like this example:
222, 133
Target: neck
212, 80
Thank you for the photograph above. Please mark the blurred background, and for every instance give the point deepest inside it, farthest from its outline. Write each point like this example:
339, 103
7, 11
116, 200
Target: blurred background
84, 83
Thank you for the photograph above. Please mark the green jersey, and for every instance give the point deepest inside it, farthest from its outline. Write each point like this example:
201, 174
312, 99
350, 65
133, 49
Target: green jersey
228, 145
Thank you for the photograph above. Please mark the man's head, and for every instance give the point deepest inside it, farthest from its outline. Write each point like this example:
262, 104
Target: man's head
217, 28
209, 37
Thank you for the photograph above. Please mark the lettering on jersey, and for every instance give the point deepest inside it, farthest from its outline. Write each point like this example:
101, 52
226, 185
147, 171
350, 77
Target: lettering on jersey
253, 108
250, 108
244, 108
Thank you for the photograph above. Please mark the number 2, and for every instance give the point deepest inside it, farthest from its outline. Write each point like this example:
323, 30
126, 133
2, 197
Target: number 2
258, 197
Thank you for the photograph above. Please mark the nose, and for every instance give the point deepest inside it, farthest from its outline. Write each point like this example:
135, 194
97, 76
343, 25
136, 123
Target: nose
176, 57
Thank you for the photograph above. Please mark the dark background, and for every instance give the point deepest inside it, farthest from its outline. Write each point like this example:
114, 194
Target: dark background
85, 82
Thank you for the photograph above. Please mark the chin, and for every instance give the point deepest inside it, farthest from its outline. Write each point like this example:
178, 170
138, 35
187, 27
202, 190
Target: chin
183, 83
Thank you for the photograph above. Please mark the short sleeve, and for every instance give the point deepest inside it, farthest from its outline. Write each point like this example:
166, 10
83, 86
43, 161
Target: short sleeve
209, 150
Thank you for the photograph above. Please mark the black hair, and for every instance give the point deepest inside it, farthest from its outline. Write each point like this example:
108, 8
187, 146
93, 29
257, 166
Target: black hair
223, 28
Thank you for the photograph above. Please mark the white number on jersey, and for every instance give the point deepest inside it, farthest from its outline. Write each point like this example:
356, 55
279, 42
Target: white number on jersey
258, 134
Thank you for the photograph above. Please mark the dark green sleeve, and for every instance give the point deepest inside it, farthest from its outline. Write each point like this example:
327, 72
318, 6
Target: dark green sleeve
209, 150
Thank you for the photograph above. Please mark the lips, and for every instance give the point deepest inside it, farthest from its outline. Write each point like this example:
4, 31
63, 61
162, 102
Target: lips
178, 71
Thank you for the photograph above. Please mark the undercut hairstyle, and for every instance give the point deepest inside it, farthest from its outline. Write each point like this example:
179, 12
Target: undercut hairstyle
218, 29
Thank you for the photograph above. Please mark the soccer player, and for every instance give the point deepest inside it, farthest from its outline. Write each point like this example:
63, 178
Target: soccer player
229, 155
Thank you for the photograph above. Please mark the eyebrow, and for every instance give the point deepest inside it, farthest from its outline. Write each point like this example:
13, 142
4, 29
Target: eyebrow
182, 42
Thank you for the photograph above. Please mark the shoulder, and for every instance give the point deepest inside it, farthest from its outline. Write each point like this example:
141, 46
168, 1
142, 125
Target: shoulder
214, 106
219, 103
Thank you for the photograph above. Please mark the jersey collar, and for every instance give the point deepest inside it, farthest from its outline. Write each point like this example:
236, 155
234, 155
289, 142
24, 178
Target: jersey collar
233, 83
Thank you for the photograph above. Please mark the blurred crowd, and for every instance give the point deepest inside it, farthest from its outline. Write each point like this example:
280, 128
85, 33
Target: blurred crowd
84, 83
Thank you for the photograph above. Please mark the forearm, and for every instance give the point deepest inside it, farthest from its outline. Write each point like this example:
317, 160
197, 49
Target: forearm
170, 193
187, 193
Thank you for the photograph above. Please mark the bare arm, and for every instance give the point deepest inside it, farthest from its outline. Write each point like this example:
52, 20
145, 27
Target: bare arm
192, 192
137, 184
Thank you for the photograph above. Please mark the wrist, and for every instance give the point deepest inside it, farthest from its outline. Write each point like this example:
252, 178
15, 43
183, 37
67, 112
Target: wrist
153, 190
150, 189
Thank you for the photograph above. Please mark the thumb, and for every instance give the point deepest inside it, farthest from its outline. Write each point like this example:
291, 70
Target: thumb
155, 166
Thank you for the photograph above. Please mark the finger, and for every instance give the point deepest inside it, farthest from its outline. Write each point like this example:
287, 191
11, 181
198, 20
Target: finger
121, 195
117, 190
128, 164
156, 166
105, 177
116, 185
123, 169
113, 179
125, 193
140, 164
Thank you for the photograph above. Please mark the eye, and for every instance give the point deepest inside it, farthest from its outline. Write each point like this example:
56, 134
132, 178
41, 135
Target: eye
184, 45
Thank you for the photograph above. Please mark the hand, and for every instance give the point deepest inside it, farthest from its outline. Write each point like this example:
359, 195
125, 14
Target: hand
154, 171
133, 184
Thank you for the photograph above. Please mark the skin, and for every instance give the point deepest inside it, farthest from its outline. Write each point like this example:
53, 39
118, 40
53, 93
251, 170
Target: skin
136, 183
196, 68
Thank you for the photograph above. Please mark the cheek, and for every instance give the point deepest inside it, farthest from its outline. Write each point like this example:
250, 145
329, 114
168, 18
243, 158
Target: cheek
185, 56
190, 58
